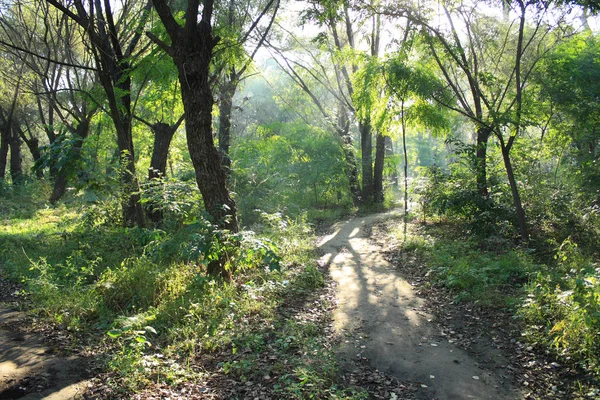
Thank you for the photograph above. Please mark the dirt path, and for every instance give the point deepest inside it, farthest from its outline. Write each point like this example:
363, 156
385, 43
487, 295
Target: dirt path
382, 319
29, 367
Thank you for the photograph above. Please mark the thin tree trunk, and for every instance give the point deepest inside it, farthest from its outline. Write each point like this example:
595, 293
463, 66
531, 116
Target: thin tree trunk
389, 151
226, 94
4, 145
378, 169
366, 144
521, 218
350, 166
483, 135
405, 153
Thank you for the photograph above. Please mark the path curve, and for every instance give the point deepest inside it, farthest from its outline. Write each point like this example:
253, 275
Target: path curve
30, 368
379, 317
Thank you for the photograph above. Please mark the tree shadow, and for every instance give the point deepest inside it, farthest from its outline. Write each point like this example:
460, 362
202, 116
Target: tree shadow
30, 367
383, 321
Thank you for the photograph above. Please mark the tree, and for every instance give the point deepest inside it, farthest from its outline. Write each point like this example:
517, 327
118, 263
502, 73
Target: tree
191, 49
568, 83
236, 26
314, 79
412, 85
114, 51
487, 63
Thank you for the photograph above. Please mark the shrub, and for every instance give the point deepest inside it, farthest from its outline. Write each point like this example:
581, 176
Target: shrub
563, 308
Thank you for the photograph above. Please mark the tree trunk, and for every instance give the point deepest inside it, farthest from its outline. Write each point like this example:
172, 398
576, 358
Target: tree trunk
521, 219
198, 101
405, 154
81, 132
350, 167
483, 135
4, 145
378, 170
163, 134
389, 152
227, 91
366, 145
133, 213
16, 161
191, 50
33, 144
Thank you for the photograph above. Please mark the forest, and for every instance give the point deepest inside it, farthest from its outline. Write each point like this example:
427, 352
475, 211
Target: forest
290, 199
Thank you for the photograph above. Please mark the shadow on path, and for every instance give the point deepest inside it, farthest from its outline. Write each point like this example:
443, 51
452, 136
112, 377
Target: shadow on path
29, 369
381, 309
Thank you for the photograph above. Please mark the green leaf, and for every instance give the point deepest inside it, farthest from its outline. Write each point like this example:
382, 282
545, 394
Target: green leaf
114, 333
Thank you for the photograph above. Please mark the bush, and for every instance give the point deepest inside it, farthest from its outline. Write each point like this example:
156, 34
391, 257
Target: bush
478, 276
563, 308
454, 195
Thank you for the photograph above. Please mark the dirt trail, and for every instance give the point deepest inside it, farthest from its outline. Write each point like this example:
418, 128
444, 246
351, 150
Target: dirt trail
379, 317
30, 368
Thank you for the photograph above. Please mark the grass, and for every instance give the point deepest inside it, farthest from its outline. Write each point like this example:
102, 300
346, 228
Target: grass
141, 297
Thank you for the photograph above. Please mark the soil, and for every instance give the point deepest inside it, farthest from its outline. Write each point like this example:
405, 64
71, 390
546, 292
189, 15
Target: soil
32, 366
384, 322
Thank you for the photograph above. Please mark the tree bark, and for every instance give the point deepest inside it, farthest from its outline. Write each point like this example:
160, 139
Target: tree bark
198, 101
483, 135
521, 218
16, 160
366, 144
226, 93
378, 169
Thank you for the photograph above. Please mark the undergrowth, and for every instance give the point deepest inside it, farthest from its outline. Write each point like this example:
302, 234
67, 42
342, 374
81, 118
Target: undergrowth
551, 284
144, 295
557, 304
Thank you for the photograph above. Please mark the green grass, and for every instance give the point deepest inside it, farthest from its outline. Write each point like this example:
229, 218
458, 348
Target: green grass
142, 298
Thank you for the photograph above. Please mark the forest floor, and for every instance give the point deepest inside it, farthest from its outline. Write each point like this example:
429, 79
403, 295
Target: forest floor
397, 336
383, 320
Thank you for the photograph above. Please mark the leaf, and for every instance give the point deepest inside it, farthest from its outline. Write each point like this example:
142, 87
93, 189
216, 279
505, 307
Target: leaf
140, 339
150, 329
114, 333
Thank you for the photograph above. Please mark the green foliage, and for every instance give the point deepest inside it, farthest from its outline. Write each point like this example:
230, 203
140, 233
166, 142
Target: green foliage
478, 276
454, 195
562, 310
568, 86
179, 200
294, 165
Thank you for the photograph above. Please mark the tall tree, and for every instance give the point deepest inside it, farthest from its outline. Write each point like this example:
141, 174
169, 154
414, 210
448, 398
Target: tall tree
239, 24
322, 74
486, 64
191, 48
114, 51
